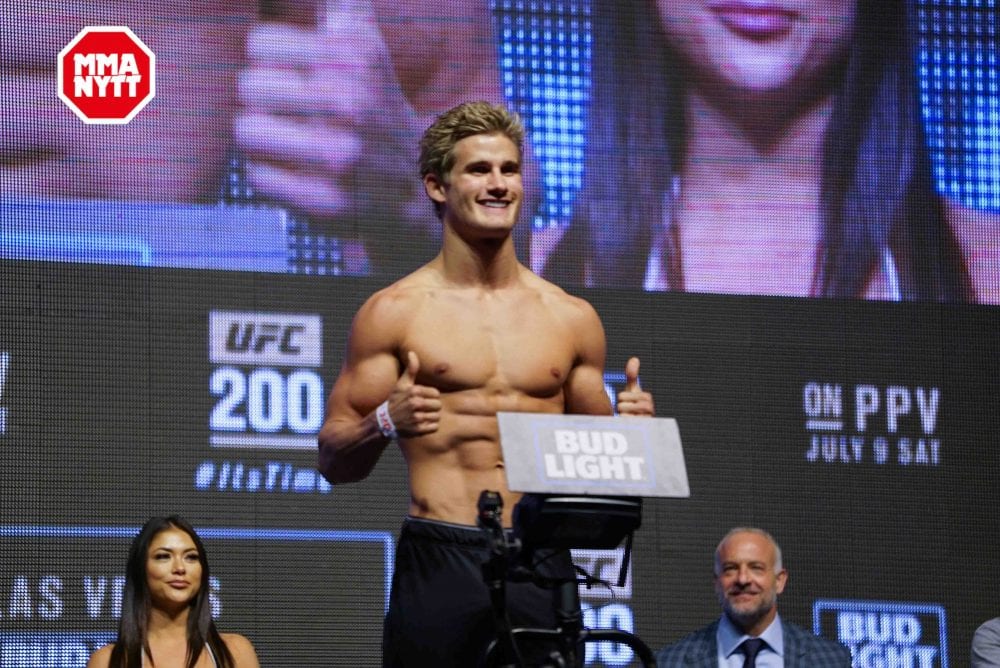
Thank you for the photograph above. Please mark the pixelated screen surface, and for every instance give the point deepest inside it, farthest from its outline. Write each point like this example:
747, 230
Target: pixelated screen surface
177, 292
846, 151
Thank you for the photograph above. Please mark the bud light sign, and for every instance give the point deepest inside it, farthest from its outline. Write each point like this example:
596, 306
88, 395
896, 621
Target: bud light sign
881, 634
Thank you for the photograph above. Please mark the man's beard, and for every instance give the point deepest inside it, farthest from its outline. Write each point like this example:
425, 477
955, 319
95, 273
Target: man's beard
748, 616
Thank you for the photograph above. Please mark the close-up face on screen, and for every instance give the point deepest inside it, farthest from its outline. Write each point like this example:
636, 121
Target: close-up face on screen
789, 210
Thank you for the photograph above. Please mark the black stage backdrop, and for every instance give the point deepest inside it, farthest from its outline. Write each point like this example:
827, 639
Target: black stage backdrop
861, 434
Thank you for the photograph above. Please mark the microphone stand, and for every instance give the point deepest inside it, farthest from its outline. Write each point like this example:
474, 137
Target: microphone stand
495, 575
570, 635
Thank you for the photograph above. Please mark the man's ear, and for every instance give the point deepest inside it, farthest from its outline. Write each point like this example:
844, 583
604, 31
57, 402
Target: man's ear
435, 188
781, 580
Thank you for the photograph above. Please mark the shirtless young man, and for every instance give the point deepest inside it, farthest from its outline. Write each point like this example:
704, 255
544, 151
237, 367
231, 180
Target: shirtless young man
433, 358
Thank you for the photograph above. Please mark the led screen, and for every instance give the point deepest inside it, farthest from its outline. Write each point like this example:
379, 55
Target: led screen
801, 245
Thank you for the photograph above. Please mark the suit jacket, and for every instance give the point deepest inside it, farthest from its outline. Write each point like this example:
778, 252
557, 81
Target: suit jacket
802, 650
986, 645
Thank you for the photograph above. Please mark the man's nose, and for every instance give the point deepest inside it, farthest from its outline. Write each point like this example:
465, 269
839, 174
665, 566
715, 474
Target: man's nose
496, 181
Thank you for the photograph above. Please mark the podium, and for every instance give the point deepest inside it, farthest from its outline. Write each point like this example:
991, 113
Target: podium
583, 479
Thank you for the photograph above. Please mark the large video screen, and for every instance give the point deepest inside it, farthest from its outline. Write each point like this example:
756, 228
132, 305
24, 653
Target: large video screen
844, 149
791, 214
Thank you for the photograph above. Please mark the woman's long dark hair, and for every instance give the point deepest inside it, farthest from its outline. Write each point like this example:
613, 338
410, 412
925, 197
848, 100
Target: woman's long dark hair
877, 190
133, 628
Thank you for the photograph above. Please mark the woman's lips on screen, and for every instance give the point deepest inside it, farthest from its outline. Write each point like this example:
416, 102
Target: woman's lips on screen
759, 22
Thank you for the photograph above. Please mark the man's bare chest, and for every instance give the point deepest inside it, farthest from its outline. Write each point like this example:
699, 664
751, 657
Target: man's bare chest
496, 350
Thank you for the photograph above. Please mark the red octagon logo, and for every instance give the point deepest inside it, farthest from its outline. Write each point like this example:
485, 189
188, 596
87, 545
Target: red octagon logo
106, 75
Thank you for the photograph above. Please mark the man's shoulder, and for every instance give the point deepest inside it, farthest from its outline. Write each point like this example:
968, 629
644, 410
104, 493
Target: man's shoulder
990, 627
403, 295
803, 648
555, 296
699, 644
385, 317
986, 644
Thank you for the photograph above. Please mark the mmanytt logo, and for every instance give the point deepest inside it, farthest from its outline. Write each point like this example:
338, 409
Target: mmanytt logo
106, 75
894, 424
885, 633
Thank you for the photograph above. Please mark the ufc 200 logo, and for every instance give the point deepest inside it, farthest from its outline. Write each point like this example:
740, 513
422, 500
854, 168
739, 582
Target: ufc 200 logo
272, 339
267, 390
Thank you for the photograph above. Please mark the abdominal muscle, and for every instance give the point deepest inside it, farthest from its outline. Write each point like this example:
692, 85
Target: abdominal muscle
450, 468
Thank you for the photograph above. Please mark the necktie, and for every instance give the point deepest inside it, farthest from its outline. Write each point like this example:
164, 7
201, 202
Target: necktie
750, 648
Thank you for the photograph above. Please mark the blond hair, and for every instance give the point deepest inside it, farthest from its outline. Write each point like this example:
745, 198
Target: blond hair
437, 146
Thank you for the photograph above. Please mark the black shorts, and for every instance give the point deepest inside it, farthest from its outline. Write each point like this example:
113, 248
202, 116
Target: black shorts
439, 609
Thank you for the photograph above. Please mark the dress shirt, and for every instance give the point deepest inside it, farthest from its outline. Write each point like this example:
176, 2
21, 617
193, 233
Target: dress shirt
729, 638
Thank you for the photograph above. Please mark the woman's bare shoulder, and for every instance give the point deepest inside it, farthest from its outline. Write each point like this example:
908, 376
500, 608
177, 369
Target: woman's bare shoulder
242, 650
101, 657
978, 235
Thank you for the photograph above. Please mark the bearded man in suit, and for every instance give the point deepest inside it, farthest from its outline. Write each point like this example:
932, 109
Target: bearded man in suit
749, 576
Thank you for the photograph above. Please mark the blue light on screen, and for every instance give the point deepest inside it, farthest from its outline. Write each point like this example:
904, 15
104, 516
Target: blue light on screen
957, 54
545, 56
544, 49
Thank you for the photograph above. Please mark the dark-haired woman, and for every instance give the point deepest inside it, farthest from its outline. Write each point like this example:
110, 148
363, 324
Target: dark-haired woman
166, 617
774, 148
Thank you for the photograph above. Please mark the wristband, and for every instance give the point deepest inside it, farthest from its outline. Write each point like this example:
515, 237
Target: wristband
384, 421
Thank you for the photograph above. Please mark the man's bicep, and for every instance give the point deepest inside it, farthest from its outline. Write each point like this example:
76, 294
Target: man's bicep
362, 385
585, 393
370, 367
585, 387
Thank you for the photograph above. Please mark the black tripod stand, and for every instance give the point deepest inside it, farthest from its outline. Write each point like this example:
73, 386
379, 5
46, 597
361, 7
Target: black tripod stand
510, 560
